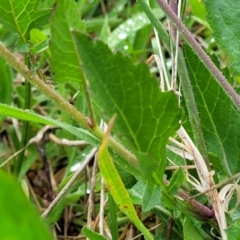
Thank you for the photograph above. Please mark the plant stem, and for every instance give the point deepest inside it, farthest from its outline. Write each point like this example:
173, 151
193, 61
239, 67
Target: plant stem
186, 84
43, 87
126, 158
192, 108
200, 52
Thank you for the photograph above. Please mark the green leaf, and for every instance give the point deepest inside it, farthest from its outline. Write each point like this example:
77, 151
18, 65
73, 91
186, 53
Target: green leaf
219, 116
198, 9
137, 194
64, 61
233, 231
90, 234
33, 117
189, 230
40, 42
117, 188
130, 27
113, 220
151, 197
146, 117
20, 220
223, 17
21, 16
175, 182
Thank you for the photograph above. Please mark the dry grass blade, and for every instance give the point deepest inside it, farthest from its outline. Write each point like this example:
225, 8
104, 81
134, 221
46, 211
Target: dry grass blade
206, 179
226, 195
69, 184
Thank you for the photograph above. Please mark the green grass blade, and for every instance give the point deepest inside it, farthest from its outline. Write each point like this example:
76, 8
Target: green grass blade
33, 117
113, 217
131, 26
90, 234
6, 88
117, 188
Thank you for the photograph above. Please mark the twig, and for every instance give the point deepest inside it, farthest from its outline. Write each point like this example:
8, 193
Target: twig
101, 210
91, 195
222, 183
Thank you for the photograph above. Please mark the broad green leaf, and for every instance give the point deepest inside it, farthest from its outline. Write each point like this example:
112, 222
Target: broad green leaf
90, 234
189, 230
219, 116
175, 182
64, 61
151, 197
19, 219
233, 231
117, 188
223, 17
21, 16
146, 117
33, 117
131, 26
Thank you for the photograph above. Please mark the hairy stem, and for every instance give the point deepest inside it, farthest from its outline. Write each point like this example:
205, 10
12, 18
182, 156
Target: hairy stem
124, 156
199, 51
186, 84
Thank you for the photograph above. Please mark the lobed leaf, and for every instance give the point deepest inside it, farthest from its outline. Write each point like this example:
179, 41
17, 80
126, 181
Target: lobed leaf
146, 117
219, 116
64, 61
223, 17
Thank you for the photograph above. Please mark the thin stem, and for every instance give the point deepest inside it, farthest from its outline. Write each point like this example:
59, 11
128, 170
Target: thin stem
25, 128
200, 52
192, 108
89, 102
186, 84
221, 184
69, 184
43, 87
121, 155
